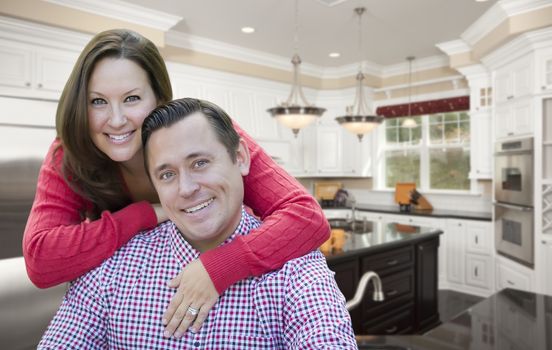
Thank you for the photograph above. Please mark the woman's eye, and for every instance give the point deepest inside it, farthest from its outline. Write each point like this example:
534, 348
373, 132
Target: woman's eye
166, 175
98, 101
132, 98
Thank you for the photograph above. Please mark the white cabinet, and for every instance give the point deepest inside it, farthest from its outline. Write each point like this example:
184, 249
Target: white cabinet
481, 149
514, 80
510, 274
546, 249
34, 71
514, 118
330, 151
544, 71
469, 256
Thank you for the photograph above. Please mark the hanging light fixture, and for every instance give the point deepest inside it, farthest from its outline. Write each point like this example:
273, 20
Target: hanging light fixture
292, 113
359, 119
409, 122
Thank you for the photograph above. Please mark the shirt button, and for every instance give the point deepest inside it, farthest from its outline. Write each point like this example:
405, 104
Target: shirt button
196, 344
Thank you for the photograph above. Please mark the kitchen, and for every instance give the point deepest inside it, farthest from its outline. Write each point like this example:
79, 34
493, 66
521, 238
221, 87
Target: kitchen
501, 61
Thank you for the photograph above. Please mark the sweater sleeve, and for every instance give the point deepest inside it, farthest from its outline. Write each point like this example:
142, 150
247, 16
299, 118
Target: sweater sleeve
58, 245
293, 224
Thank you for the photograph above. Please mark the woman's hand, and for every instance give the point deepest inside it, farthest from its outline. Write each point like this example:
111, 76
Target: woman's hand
195, 290
160, 213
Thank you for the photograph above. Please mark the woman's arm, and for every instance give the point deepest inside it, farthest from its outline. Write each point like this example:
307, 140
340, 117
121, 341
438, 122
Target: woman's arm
58, 245
293, 224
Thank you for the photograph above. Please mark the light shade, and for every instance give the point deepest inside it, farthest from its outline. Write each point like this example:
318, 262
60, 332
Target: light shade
409, 123
359, 124
296, 117
359, 118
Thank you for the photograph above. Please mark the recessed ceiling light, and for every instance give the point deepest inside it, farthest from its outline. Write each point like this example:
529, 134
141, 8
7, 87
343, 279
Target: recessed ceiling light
334, 54
248, 30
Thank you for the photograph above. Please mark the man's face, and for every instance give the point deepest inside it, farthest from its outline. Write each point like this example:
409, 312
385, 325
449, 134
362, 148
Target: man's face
200, 188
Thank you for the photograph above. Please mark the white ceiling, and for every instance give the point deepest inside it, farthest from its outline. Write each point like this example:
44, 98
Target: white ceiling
392, 29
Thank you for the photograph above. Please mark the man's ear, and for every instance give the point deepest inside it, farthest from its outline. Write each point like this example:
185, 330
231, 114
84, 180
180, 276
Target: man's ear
243, 158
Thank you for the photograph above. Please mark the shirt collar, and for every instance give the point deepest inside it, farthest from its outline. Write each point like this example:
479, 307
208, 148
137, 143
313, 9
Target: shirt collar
184, 250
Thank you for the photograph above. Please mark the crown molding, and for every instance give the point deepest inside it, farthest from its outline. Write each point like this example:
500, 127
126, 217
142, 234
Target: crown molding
420, 64
234, 52
451, 79
454, 47
39, 34
124, 11
520, 46
498, 13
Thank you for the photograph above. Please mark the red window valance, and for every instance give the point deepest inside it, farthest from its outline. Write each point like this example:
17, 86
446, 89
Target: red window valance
426, 107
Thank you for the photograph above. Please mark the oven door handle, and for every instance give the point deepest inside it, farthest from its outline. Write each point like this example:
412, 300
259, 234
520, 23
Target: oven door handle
515, 207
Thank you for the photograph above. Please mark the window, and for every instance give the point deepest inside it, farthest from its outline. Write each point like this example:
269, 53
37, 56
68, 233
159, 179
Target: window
435, 154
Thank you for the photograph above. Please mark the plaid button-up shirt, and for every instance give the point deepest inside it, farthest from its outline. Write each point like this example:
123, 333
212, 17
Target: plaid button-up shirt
119, 305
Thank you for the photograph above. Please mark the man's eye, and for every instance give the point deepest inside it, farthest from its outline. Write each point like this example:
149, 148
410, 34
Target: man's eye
201, 163
98, 101
132, 98
166, 175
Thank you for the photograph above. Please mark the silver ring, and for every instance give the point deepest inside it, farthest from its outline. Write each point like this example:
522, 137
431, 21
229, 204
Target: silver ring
193, 311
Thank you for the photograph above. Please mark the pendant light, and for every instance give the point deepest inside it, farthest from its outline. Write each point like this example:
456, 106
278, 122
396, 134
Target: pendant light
409, 122
292, 113
359, 118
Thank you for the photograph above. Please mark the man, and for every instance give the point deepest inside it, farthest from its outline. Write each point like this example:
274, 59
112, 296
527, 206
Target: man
196, 161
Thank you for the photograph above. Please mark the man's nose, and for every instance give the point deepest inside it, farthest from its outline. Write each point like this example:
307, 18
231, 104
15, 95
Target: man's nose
187, 185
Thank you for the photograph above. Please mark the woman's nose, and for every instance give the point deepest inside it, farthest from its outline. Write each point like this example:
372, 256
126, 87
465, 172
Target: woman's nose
117, 118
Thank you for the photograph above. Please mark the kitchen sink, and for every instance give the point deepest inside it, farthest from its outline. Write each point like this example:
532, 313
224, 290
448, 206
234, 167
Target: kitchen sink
356, 226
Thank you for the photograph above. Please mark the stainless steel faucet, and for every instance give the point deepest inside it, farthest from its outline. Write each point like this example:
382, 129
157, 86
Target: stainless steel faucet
378, 294
353, 215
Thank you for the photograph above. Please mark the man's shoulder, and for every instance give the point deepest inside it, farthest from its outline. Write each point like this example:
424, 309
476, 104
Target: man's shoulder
305, 269
133, 254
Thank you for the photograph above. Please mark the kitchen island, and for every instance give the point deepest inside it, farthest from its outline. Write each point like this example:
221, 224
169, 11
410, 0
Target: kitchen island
510, 319
405, 258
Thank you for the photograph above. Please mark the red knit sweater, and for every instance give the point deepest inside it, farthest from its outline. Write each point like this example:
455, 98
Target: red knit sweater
58, 246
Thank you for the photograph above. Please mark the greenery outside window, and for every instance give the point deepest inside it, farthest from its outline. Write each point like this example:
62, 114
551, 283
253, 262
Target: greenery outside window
435, 154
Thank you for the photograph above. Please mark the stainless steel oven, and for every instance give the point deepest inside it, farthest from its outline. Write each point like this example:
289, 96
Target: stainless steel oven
513, 204
514, 172
514, 232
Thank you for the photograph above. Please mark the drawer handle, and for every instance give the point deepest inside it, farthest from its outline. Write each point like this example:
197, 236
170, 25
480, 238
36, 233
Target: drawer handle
392, 292
392, 262
510, 283
391, 330
476, 240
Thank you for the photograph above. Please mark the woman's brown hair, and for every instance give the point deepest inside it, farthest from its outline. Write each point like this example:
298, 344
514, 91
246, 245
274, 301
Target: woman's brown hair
89, 171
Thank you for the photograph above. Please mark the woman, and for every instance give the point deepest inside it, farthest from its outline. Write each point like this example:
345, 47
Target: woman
93, 193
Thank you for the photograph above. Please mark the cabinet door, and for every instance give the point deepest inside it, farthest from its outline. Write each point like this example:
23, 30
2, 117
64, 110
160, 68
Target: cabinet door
522, 117
455, 232
479, 238
512, 275
481, 146
503, 121
479, 271
53, 68
329, 149
546, 68
15, 70
427, 313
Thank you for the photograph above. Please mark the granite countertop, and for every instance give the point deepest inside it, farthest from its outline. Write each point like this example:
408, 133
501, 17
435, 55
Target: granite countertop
510, 319
378, 236
453, 214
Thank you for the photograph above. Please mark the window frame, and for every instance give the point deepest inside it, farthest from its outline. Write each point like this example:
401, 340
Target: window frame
423, 147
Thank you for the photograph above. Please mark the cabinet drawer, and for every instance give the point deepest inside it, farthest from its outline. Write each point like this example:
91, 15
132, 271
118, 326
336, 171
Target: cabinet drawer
398, 289
383, 263
399, 323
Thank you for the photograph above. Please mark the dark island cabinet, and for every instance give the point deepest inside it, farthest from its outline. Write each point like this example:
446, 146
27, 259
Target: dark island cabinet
409, 280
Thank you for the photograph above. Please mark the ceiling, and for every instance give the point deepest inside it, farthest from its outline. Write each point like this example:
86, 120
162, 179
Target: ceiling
391, 29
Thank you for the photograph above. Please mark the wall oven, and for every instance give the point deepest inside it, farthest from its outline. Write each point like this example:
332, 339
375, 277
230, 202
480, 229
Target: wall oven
513, 204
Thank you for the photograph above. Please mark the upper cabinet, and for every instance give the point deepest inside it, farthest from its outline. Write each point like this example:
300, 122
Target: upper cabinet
34, 71
514, 80
544, 70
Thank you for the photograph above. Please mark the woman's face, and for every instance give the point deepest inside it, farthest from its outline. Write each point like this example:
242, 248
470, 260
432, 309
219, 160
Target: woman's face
120, 97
